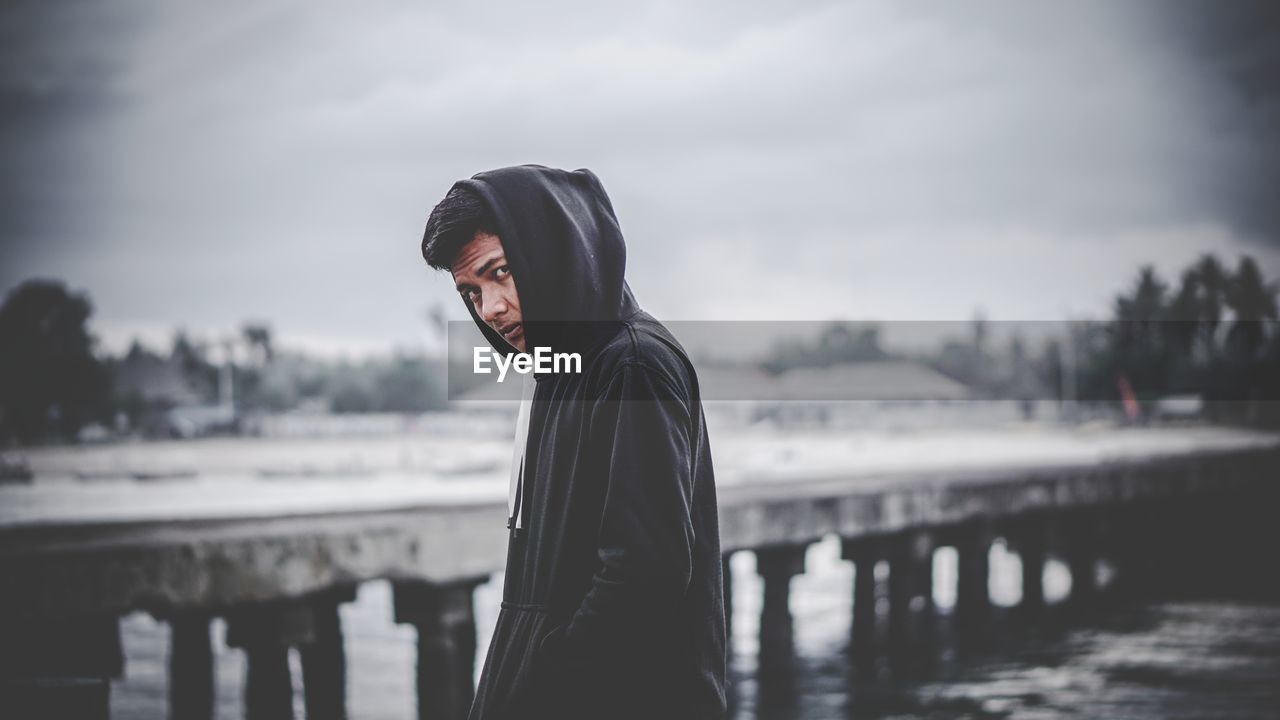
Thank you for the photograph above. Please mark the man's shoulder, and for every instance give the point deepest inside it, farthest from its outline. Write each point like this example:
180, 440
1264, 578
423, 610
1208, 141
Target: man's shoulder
646, 344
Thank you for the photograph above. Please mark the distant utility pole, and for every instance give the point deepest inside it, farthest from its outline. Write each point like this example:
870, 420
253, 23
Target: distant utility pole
226, 392
1069, 359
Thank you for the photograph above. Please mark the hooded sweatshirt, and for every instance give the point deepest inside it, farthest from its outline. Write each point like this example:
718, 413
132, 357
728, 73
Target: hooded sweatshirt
613, 602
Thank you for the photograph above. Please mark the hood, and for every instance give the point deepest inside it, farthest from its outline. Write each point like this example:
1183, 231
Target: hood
566, 254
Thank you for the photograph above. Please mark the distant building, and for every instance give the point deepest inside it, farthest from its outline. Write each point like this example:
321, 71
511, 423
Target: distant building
883, 380
157, 381
743, 395
164, 402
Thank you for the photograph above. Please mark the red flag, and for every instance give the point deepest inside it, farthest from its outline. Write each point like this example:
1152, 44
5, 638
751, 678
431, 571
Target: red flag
1127, 398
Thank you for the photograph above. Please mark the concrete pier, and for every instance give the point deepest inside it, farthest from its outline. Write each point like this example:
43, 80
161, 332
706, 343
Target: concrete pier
268, 687
266, 632
445, 619
324, 661
972, 541
60, 697
777, 564
1081, 541
53, 668
1139, 539
910, 599
863, 628
1028, 537
191, 675
278, 571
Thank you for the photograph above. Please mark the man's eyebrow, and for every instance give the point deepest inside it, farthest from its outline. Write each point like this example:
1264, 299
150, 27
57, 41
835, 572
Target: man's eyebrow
500, 257
487, 263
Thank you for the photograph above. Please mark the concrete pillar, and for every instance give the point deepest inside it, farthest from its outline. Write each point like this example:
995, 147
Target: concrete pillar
864, 553
324, 660
1243, 549
1030, 538
265, 632
1143, 543
58, 667
1110, 537
445, 618
1209, 547
71, 697
1139, 543
268, 685
191, 675
973, 578
910, 594
776, 565
77, 646
1080, 546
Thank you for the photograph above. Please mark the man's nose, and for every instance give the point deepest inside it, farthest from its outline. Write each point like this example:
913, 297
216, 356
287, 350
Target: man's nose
491, 309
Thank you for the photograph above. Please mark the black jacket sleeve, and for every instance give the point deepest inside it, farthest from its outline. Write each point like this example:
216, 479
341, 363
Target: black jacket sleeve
642, 425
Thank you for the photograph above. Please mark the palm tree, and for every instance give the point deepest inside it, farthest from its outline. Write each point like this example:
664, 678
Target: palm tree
1139, 313
1183, 313
1211, 297
1137, 335
1253, 303
257, 338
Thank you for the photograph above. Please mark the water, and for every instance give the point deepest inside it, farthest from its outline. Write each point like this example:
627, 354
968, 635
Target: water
1147, 662
1159, 661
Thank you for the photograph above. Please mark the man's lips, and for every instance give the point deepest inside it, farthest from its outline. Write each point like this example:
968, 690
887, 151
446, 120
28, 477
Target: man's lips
512, 331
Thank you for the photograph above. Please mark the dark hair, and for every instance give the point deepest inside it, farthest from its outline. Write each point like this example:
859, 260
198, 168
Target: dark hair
454, 221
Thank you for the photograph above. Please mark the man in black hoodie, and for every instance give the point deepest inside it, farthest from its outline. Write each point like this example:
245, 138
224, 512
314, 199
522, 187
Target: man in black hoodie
613, 604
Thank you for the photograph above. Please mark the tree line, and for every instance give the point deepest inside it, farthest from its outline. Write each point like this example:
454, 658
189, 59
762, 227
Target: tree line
1212, 334
55, 380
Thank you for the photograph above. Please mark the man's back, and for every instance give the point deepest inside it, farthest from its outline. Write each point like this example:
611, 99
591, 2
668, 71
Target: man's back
613, 600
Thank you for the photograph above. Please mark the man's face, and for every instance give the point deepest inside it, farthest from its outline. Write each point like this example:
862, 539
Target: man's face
484, 280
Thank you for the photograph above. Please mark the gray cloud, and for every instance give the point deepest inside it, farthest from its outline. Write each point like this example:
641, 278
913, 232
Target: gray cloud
53, 67
1231, 48
772, 160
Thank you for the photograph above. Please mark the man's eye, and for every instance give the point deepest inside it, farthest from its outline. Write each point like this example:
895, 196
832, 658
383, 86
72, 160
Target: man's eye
472, 296
501, 272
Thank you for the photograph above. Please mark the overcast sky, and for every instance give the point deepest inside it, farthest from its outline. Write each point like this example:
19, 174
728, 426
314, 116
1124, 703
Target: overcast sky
202, 164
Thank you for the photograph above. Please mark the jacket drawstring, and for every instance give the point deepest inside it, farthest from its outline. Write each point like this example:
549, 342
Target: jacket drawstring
515, 493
